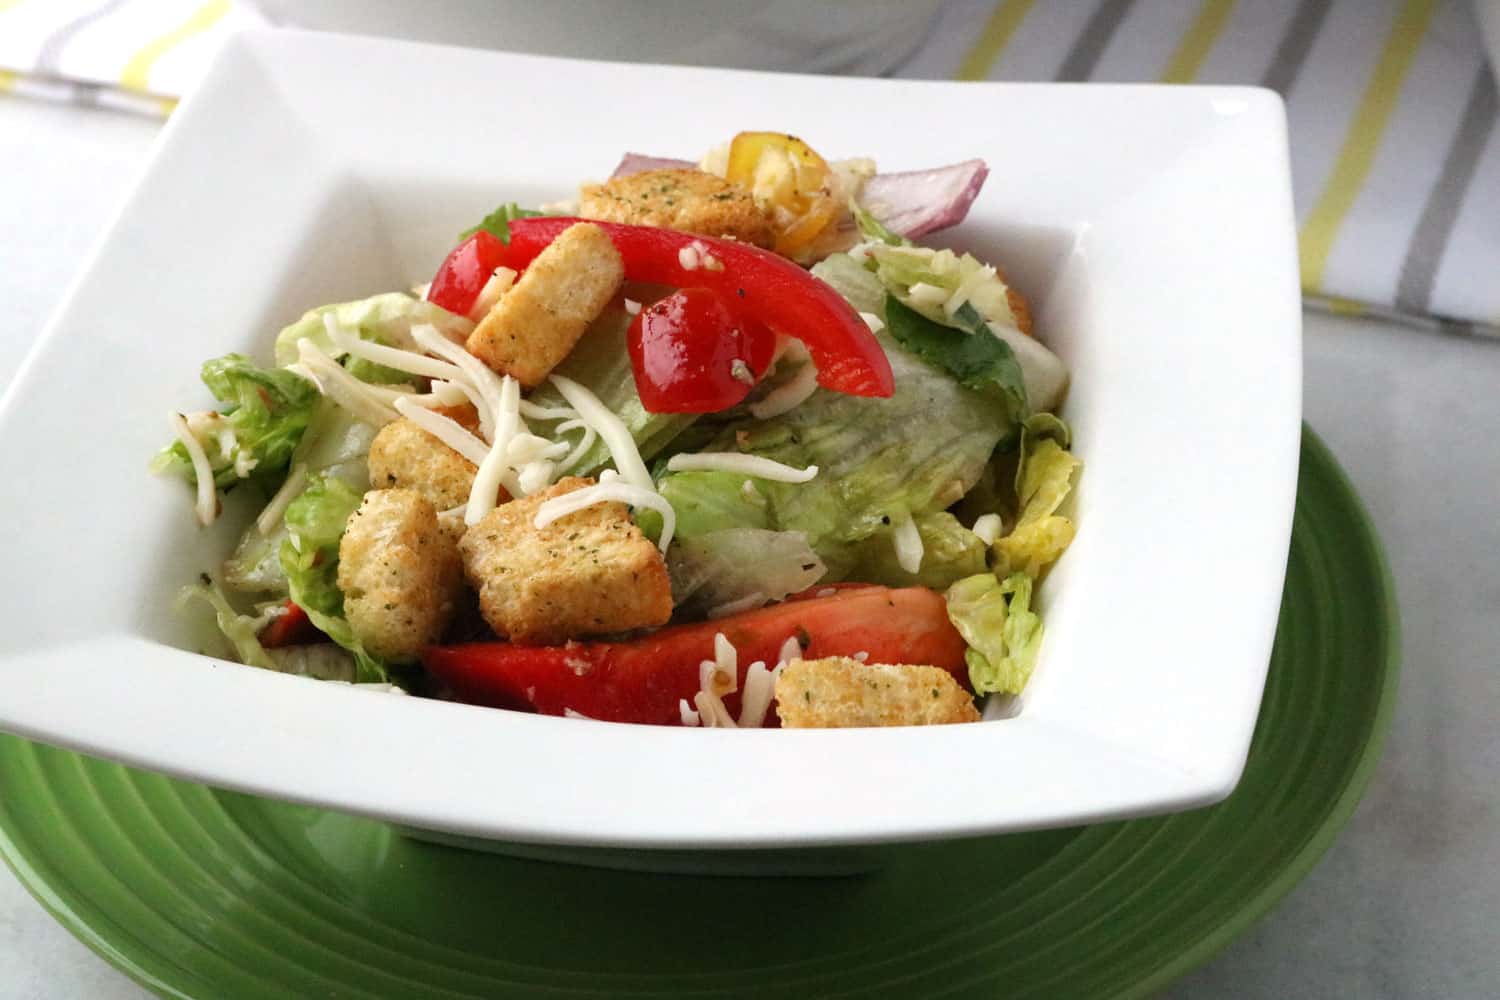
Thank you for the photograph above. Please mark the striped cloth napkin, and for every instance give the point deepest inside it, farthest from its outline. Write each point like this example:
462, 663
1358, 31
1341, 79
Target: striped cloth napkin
1395, 152
134, 55
1391, 108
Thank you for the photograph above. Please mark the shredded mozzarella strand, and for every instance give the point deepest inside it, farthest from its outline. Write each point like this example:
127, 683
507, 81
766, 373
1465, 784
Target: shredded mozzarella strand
364, 401
581, 448
875, 323
206, 504
689, 716
713, 712
604, 492
760, 686
535, 411
748, 465
495, 469
568, 713
485, 382
987, 527
497, 285
788, 396
275, 510
908, 542
790, 650
445, 429
391, 357
612, 429
447, 394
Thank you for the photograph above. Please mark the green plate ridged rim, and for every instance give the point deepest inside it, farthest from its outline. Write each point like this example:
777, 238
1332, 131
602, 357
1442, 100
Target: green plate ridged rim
200, 893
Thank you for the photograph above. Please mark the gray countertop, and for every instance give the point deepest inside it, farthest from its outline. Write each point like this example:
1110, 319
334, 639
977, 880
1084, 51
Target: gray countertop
1407, 900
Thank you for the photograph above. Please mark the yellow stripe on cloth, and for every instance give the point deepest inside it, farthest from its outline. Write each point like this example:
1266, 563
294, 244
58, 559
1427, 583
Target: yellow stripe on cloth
1362, 140
6, 5
137, 72
7, 80
993, 38
1193, 50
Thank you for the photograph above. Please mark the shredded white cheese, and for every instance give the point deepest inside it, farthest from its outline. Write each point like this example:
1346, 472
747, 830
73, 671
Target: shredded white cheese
391, 357
987, 527
747, 465
632, 307
760, 687
206, 505
568, 713
269, 518
612, 429
369, 403
688, 258
790, 650
581, 448
445, 429
495, 469
740, 372
861, 656
875, 323
447, 394
689, 715
604, 492
788, 396
925, 294
908, 542
484, 381
534, 411
496, 286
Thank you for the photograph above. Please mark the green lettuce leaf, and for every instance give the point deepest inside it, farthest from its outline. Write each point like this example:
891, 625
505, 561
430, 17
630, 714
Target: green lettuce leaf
735, 565
938, 282
950, 552
1043, 481
972, 354
263, 414
385, 319
497, 223
1003, 633
315, 523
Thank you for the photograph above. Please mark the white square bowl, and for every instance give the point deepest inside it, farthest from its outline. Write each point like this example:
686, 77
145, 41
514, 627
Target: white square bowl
1151, 227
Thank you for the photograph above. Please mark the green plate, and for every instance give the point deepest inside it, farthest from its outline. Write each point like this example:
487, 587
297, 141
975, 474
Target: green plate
201, 893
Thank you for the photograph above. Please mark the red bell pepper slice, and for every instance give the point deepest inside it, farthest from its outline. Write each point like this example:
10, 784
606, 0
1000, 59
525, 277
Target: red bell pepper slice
643, 680
290, 628
693, 352
765, 287
462, 277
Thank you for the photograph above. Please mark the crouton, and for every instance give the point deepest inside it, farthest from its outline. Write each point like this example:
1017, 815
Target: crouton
404, 456
589, 573
691, 201
839, 692
400, 574
536, 323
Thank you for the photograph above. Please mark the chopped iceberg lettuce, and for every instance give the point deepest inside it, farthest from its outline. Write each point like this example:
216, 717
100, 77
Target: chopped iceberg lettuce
385, 319
879, 460
740, 568
1004, 634
264, 414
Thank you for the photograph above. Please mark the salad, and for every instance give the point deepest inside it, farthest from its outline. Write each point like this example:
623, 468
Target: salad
717, 443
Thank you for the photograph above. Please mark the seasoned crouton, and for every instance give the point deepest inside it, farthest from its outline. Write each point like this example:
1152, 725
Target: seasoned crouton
404, 456
400, 574
838, 692
537, 322
692, 201
589, 573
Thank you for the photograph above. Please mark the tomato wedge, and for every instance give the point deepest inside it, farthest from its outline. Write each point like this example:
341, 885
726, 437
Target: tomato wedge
692, 352
643, 680
764, 287
462, 277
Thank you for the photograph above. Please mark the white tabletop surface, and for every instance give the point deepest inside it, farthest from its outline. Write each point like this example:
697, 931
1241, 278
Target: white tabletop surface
1407, 901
